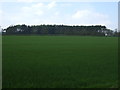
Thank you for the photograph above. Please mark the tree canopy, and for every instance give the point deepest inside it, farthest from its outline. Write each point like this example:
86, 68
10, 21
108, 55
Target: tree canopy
96, 30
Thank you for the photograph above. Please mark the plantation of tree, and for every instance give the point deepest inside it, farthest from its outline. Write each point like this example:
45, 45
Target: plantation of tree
96, 30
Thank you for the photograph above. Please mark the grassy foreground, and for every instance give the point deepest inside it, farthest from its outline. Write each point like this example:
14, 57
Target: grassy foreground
59, 62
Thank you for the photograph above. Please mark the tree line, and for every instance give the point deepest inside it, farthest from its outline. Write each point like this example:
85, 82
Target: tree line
96, 30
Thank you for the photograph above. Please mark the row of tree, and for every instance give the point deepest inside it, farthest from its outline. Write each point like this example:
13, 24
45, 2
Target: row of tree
96, 30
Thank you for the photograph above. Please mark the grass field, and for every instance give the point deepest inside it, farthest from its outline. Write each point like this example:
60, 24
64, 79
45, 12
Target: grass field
59, 62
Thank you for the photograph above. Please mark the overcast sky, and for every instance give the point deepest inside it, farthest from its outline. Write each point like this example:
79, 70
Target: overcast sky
52, 12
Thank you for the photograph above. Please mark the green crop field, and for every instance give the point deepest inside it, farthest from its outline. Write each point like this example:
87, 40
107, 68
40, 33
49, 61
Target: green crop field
59, 62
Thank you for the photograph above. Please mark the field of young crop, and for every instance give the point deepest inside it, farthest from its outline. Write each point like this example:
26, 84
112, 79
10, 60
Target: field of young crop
59, 62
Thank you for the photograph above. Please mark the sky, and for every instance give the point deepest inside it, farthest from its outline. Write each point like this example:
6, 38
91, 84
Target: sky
53, 12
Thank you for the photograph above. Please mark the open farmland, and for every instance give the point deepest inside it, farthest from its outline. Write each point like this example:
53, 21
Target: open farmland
59, 62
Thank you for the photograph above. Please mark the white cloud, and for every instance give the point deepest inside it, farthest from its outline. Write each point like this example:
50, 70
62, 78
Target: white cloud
32, 14
59, 0
81, 14
49, 13
57, 13
51, 5
1, 13
36, 10
27, 1
90, 17
38, 5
